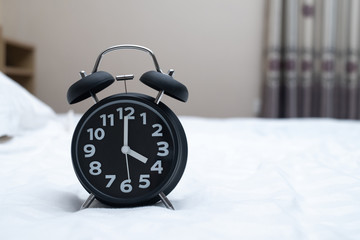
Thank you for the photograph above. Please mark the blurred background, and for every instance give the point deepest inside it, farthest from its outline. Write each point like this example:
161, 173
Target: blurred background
214, 46
238, 58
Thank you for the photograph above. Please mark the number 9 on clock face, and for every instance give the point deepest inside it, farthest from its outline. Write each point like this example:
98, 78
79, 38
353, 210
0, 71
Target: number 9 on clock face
126, 150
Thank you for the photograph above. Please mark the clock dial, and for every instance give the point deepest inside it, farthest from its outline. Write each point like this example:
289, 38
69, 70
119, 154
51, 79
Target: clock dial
126, 151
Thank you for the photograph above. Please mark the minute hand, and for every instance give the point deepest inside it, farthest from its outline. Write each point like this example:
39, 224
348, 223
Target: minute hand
126, 130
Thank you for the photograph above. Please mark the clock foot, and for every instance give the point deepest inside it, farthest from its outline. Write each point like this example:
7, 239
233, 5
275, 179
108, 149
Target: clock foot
88, 201
166, 201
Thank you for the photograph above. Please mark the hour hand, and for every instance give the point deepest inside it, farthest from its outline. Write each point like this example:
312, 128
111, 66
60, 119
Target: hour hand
138, 156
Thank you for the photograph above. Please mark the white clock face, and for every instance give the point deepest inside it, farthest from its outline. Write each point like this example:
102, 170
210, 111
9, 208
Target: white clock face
125, 151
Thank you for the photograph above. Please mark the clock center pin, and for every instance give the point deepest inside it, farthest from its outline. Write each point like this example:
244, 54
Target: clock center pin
125, 149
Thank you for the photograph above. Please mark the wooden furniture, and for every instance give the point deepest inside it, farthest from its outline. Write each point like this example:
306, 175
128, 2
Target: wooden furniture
17, 61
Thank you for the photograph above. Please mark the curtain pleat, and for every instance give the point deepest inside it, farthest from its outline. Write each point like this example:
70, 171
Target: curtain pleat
311, 59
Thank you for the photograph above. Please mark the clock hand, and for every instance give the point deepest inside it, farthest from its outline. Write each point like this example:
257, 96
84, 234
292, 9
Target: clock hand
127, 150
126, 130
127, 166
138, 156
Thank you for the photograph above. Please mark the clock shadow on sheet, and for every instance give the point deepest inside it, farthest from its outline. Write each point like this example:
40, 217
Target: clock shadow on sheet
66, 201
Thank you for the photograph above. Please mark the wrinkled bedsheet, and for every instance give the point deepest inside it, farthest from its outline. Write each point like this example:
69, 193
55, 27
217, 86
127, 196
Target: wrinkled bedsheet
245, 179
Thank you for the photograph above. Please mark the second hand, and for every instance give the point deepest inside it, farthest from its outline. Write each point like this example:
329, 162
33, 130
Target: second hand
127, 166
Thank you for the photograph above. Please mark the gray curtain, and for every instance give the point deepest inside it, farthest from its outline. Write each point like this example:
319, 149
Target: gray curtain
311, 59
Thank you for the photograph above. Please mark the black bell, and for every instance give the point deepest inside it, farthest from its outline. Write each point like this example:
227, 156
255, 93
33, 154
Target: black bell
163, 82
89, 85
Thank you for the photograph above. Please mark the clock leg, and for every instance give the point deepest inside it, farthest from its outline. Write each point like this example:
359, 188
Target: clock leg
159, 96
88, 201
166, 201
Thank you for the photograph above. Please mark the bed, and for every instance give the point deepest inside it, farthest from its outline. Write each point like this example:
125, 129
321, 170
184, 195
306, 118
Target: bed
245, 179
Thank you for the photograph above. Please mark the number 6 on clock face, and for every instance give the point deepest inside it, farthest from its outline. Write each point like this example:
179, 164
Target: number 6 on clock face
126, 150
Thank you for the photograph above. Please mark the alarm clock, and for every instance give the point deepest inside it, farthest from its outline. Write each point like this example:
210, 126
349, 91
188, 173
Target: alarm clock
128, 149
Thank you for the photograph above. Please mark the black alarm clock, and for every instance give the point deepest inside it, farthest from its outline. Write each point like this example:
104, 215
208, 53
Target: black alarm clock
128, 149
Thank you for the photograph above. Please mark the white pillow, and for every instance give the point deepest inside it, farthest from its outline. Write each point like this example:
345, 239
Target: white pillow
19, 110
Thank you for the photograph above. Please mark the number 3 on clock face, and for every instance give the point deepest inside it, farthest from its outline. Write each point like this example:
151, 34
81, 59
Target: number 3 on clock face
126, 150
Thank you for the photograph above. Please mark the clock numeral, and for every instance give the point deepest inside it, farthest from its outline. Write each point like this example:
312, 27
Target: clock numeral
95, 168
127, 109
99, 133
112, 179
157, 167
143, 115
144, 181
89, 150
163, 149
125, 186
104, 118
158, 132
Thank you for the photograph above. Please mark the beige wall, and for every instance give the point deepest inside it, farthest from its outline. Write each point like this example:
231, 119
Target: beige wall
1, 14
213, 45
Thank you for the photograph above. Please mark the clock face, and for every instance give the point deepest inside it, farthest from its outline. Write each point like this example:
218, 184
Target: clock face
126, 150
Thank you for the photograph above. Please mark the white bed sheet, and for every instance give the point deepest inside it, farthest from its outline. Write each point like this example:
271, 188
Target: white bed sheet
245, 179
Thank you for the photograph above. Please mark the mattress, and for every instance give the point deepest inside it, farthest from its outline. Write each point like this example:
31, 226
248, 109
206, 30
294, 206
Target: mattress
244, 179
